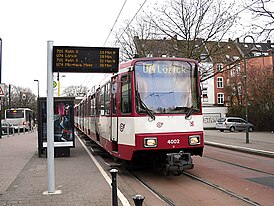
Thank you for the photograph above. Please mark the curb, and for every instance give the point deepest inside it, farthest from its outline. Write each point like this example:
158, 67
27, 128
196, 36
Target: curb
241, 149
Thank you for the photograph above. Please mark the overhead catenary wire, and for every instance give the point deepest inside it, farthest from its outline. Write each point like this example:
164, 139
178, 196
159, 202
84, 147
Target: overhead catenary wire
107, 38
115, 22
125, 28
132, 18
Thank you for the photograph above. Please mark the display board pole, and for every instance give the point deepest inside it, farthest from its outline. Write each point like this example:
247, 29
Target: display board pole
0, 83
50, 120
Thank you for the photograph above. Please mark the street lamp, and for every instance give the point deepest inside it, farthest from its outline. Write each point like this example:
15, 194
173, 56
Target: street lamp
245, 84
36, 80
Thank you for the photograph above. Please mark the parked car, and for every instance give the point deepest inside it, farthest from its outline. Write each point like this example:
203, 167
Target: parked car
7, 127
232, 124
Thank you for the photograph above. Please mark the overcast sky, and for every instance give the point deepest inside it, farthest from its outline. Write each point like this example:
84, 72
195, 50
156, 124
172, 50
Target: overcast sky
27, 25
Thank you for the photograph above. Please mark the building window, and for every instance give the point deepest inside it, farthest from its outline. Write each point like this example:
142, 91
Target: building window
232, 71
204, 93
219, 67
220, 98
220, 82
203, 57
240, 89
233, 90
238, 69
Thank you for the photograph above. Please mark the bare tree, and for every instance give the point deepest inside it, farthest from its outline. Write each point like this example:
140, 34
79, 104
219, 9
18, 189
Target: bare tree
190, 28
263, 16
193, 20
74, 91
125, 37
261, 98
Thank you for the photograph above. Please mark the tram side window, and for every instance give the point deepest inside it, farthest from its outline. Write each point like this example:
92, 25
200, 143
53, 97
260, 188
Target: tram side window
114, 98
93, 106
107, 99
126, 94
86, 108
102, 98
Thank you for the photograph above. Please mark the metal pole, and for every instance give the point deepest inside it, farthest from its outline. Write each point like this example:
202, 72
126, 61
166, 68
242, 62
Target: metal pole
246, 93
138, 200
9, 96
50, 128
36, 80
246, 99
58, 84
113, 173
0, 82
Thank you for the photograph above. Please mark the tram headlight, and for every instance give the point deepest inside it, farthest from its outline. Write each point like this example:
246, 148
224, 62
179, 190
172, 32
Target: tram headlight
194, 140
150, 142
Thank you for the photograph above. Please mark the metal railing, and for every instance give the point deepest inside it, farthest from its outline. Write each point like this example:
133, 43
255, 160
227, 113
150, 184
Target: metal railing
11, 131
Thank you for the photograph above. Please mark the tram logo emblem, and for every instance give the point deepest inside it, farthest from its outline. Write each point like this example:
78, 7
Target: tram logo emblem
122, 127
191, 123
159, 124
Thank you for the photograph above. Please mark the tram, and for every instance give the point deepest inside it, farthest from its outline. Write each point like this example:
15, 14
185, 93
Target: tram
149, 111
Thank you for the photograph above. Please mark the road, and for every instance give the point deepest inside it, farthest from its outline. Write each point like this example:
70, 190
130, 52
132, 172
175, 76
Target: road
258, 140
238, 178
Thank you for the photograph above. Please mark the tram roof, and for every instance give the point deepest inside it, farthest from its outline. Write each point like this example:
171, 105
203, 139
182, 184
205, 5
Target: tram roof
130, 63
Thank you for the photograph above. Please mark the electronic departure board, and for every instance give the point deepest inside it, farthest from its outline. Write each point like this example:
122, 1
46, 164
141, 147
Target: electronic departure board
85, 59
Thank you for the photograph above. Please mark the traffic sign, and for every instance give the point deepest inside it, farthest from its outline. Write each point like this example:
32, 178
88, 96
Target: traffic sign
2, 90
54, 84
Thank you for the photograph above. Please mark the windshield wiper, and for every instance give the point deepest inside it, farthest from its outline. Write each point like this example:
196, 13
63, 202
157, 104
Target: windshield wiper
148, 111
190, 112
192, 109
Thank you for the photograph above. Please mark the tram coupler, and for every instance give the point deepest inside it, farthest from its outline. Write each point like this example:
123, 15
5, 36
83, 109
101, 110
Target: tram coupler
177, 163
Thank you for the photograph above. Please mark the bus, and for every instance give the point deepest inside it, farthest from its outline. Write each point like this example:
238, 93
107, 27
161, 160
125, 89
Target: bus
20, 117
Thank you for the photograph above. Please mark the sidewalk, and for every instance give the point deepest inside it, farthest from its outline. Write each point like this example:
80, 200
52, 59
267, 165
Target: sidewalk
23, 176
259, 142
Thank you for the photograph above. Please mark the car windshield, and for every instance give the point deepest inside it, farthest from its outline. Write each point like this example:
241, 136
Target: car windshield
221, 120
167, 86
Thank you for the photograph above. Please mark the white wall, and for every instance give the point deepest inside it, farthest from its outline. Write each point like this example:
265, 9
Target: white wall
208, 84
211, 114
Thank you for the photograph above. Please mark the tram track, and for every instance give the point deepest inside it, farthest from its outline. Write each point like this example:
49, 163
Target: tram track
153, 191
169, 201
238, 165
162, 196
246, 200
104, 161
196, 178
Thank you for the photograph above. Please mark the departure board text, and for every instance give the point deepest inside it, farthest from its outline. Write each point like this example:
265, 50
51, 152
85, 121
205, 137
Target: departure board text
85, 59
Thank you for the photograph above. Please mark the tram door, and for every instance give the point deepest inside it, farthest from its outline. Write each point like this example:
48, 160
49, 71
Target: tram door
114, 116
98, 113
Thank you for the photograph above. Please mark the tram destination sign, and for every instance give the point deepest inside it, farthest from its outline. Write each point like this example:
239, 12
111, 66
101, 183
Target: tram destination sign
85, 59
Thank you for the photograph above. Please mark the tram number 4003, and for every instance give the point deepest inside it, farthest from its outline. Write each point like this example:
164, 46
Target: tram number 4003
173, 141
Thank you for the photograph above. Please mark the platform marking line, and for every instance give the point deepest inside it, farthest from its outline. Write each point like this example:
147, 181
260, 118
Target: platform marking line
121, 196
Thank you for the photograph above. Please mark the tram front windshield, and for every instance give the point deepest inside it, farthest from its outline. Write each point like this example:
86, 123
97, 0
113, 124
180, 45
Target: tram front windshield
166, 86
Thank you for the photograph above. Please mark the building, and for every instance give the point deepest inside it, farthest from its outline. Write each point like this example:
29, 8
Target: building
221, 67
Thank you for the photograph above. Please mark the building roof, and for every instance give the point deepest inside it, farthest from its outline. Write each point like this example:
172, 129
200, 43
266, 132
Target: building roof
210, 51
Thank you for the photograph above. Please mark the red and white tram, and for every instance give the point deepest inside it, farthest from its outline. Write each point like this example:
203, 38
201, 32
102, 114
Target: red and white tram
149, 111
